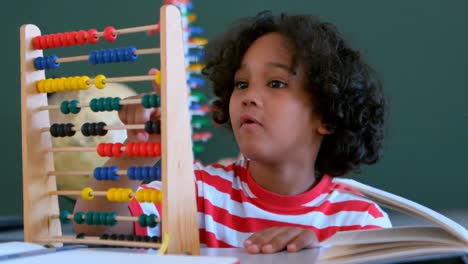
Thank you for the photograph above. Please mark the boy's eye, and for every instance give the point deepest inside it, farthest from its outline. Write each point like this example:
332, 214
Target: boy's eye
277, 84
240, 85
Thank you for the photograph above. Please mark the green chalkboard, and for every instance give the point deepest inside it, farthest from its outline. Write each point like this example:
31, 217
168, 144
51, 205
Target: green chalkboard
420, 48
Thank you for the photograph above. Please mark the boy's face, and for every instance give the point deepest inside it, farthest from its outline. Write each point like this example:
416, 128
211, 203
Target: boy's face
271, 113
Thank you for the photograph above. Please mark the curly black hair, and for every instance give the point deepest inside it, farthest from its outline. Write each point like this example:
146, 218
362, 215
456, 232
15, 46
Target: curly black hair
345, 91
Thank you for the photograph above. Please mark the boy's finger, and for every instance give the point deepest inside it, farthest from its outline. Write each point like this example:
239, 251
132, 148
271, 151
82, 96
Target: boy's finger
303, 240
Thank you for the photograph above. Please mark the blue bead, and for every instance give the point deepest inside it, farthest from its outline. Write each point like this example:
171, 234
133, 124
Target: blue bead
156, 173
121, 54
92, 57
97, 174
113, 55
195, 81
131, 54
145, 173
196, 30
195, 106
112, 173
98, 57
138, 173
38, 63
52, 62
106, 56
131, 173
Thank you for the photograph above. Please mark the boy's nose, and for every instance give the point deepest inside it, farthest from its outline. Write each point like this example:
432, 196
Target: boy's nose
252, 97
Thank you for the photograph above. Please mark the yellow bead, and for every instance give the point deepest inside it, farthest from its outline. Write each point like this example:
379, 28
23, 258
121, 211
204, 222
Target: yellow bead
156, 196
48, 86
126, 195
61, 84
110, 194
87, 194
199, 41
195, 67
84, 85
157, 78
99, 81
140, 195
40, 86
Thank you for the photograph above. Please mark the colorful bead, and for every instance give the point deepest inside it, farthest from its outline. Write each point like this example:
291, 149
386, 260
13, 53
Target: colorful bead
151, 220
87, 194
106, 173
37, 42
74, 109
99, 81
64, 216
81, 37
142, 220
64, 107
62, 130
148, 195
109, 34
153, 127
78, 217
92, 36
93, 129
157, 78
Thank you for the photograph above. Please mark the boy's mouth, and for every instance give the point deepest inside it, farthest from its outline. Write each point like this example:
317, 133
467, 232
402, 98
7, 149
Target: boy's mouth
249, 120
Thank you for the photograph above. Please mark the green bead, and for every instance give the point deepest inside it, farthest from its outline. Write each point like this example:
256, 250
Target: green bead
200, 122
96, 218
93, 105
116, 103
64, 107
100, 104
111, 219
142, 220
107, 104
78, 218
64, 216
74, 109
145, 101
151, 220
198, 148
199, 95
89, 217
154, 100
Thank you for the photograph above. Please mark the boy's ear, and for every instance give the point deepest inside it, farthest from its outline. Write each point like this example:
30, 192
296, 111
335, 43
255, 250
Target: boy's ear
323, 130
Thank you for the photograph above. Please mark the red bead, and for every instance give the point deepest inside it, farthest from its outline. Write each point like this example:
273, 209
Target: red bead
50, 40
71, 38
108, 149
81, 37
100, 149
142, 150
116, 150
37, 42
43, 42
109, 34
58, 40
93, 37
129, 149
156, 146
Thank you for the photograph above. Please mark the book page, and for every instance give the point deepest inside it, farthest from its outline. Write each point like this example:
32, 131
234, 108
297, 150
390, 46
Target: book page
406, 206
9, 248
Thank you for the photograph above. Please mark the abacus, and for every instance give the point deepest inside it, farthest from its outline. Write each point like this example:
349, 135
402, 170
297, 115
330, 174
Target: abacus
42, 217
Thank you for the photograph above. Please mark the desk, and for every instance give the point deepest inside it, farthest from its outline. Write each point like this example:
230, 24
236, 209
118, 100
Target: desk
304, 256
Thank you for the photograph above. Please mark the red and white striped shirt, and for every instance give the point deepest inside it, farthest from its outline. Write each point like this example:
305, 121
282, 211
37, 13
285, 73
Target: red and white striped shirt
232, 206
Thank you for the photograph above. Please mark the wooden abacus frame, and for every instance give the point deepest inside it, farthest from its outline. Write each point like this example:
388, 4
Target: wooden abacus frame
179, 217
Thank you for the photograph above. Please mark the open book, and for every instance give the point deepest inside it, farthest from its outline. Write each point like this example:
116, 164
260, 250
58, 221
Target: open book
391, 244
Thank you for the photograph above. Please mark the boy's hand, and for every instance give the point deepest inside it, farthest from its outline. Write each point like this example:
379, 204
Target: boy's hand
275, 239
137, 114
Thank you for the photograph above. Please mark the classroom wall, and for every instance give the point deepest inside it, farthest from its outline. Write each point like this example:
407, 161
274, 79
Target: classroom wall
418, 47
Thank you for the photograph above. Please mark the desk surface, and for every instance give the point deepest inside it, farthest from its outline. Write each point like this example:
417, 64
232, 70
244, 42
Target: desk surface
304, 256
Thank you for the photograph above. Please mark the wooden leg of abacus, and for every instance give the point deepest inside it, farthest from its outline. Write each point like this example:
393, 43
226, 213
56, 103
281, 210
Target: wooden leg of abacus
179, 218
37, 204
